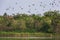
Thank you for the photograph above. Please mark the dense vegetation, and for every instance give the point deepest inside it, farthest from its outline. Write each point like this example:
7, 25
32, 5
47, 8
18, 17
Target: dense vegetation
48, 23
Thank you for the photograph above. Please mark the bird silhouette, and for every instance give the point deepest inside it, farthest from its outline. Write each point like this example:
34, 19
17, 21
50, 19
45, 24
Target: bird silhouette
7, 9
21, 8
29, 6
29, 12
16, 3
33, 4
59, 1
35, 9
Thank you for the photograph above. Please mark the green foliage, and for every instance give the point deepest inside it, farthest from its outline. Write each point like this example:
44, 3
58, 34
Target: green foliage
30, 23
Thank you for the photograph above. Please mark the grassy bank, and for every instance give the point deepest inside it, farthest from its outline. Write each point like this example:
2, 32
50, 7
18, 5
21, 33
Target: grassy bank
22, 39
22, 34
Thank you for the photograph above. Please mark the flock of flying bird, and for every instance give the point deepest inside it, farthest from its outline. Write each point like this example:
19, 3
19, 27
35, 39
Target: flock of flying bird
50, 3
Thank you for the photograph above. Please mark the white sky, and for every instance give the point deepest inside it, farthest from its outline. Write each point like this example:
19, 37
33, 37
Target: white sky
28, 6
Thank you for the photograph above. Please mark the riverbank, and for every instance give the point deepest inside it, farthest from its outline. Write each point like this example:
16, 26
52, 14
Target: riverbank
26, 38
22, 34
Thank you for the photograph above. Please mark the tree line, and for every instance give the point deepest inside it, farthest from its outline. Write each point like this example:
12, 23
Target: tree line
48, 23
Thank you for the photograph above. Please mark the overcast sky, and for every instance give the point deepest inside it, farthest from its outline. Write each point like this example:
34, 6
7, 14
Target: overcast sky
28, 6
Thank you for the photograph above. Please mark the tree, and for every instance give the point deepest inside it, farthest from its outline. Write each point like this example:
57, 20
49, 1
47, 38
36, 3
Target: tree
5, 14
54, 17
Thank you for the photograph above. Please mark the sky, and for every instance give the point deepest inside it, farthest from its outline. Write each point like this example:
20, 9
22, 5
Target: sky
28, 6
